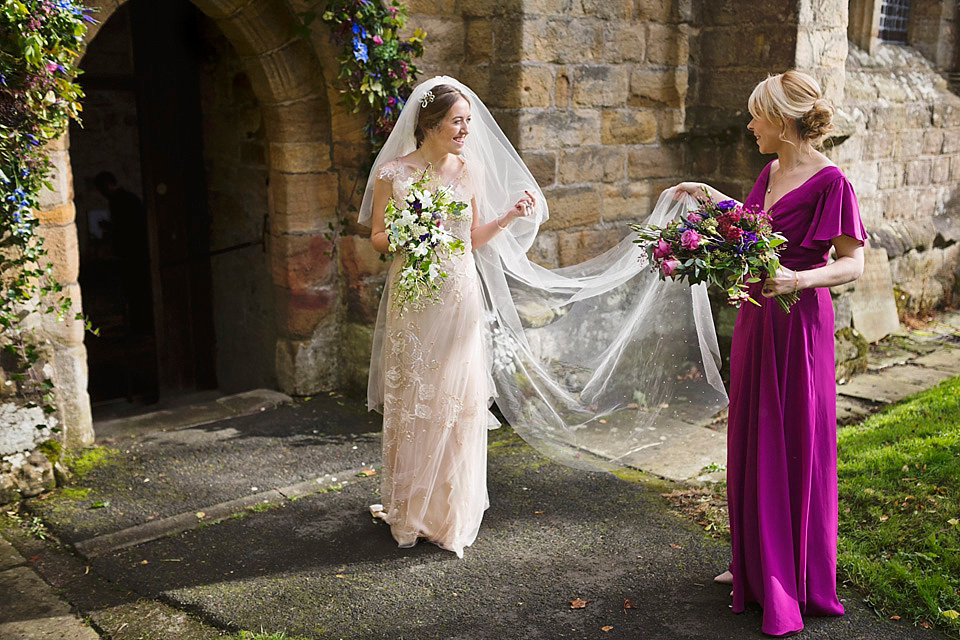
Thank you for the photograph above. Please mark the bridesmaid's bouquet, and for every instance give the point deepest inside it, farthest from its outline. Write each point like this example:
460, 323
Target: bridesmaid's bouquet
415, 229
721, 243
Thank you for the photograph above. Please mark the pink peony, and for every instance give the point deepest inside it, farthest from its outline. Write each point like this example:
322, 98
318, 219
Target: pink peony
690, 239
694, 218
662, 250
377, 40
668, 267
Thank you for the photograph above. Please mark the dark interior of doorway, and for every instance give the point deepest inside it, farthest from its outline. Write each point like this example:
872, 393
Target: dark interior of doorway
144, 243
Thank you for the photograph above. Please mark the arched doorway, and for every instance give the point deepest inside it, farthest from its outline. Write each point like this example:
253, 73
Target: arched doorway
218, 123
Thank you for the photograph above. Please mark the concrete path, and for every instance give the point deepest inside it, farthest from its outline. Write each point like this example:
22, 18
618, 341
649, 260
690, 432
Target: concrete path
260, 521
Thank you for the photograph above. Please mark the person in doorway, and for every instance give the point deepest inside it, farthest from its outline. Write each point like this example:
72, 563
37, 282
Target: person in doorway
781, 437
130, 241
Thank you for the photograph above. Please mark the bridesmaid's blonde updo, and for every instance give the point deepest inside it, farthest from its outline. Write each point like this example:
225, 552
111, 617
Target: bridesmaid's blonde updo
793, 96
436, 102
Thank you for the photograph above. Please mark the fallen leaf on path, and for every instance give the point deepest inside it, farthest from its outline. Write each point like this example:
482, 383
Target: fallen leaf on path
339, 575
366, 473
894, 617
628, 604
950, 614
602, 421
144, 562
925, 624
539, 513
676, 546
609, 627
201, 514
34, 559
577, 603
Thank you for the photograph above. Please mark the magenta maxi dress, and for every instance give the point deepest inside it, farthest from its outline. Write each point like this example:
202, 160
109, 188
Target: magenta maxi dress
781, 438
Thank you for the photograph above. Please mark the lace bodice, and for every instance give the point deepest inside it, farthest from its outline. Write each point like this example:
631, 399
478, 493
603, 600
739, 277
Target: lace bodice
401, 175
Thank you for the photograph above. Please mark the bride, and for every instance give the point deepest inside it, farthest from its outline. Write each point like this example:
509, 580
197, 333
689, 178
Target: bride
585, 362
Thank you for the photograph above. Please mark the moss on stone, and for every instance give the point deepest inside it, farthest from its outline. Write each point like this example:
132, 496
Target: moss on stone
52, 449
84, 461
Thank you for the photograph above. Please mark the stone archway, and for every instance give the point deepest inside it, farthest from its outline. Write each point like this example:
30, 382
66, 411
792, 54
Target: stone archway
287, 79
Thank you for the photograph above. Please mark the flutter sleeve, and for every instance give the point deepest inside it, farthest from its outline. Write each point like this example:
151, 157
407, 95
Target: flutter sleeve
837, 214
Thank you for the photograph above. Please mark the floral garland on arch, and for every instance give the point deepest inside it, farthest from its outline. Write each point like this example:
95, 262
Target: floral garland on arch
40, 42
376, 63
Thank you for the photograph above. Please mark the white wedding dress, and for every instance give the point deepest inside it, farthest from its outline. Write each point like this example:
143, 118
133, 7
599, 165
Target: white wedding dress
437, 389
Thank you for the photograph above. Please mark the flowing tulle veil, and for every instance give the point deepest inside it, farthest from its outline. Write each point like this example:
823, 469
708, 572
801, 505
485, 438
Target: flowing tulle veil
592, 362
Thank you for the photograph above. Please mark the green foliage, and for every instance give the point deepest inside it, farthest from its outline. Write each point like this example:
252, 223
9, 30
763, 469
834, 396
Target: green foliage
39, 47
900, 507
376, 64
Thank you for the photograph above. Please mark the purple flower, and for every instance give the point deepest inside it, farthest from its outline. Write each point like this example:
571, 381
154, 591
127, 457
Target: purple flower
690, 239
377, 40
668, 267
726, 205
662, 250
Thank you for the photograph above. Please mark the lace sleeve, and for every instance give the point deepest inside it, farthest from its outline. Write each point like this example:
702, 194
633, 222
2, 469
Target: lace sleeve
390, 171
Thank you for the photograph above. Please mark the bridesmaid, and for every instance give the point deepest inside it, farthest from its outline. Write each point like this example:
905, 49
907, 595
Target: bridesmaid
781, 438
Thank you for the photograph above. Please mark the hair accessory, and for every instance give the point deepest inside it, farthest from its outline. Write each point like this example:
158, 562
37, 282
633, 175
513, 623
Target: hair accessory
427, 99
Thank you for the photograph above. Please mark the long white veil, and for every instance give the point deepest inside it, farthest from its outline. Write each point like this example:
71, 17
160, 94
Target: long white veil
593, 361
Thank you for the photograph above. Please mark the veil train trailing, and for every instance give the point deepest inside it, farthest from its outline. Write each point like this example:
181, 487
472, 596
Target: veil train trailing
593, 363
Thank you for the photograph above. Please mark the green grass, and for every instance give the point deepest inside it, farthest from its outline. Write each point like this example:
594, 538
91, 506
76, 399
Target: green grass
249, 635
900, 508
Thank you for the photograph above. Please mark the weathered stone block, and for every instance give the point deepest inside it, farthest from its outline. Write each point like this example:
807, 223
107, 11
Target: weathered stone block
301, 262
563, 41
600, 86
300, 312
286, 74
918, 172
573, 206
259, 27
667, 45
628, 126
446, 38
563, 96
515, 86
650, 88
305, 367
559, 129
604, 9
878, 146
890, 175
951, 141
873, 306
941, 170
63, 251
304, 120
673, 122
481, 8
653, 10
657, 161
577, 246
478, 40
624, 41
67, 332
543, 166
545, 7
60, 179
60, 215
908, 146
303, 202
299, 157
628, 201
73, 402
932, 141
592, 164
545, 250
919, 115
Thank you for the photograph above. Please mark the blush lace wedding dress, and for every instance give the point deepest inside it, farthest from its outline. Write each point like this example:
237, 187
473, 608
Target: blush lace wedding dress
437, 389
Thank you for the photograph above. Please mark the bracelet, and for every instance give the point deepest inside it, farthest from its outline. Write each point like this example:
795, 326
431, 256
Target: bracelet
796, 281
499, 227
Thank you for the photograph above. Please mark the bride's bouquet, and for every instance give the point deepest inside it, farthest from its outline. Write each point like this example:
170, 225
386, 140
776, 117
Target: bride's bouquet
415, 229
721, 243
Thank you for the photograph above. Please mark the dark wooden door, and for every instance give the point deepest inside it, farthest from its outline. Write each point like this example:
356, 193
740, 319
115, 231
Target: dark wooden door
167, 51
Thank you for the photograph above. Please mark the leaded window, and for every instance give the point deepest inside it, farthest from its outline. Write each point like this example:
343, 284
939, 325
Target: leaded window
894, 17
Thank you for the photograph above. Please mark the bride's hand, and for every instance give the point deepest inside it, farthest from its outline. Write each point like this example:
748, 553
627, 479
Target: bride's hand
524, 207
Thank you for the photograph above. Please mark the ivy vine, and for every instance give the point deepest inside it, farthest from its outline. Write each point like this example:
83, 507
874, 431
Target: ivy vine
40, 43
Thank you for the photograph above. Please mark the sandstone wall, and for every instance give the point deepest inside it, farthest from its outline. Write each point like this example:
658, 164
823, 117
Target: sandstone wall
904, 162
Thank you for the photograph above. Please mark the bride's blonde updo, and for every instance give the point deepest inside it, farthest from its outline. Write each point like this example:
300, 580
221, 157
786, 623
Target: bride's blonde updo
793, 96
438, 101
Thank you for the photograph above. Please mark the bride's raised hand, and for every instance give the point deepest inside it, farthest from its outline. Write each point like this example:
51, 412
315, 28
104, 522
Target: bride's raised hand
525, 206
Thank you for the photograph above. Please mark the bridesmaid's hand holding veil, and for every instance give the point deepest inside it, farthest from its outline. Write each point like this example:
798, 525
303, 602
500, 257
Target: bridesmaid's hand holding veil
699, 191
